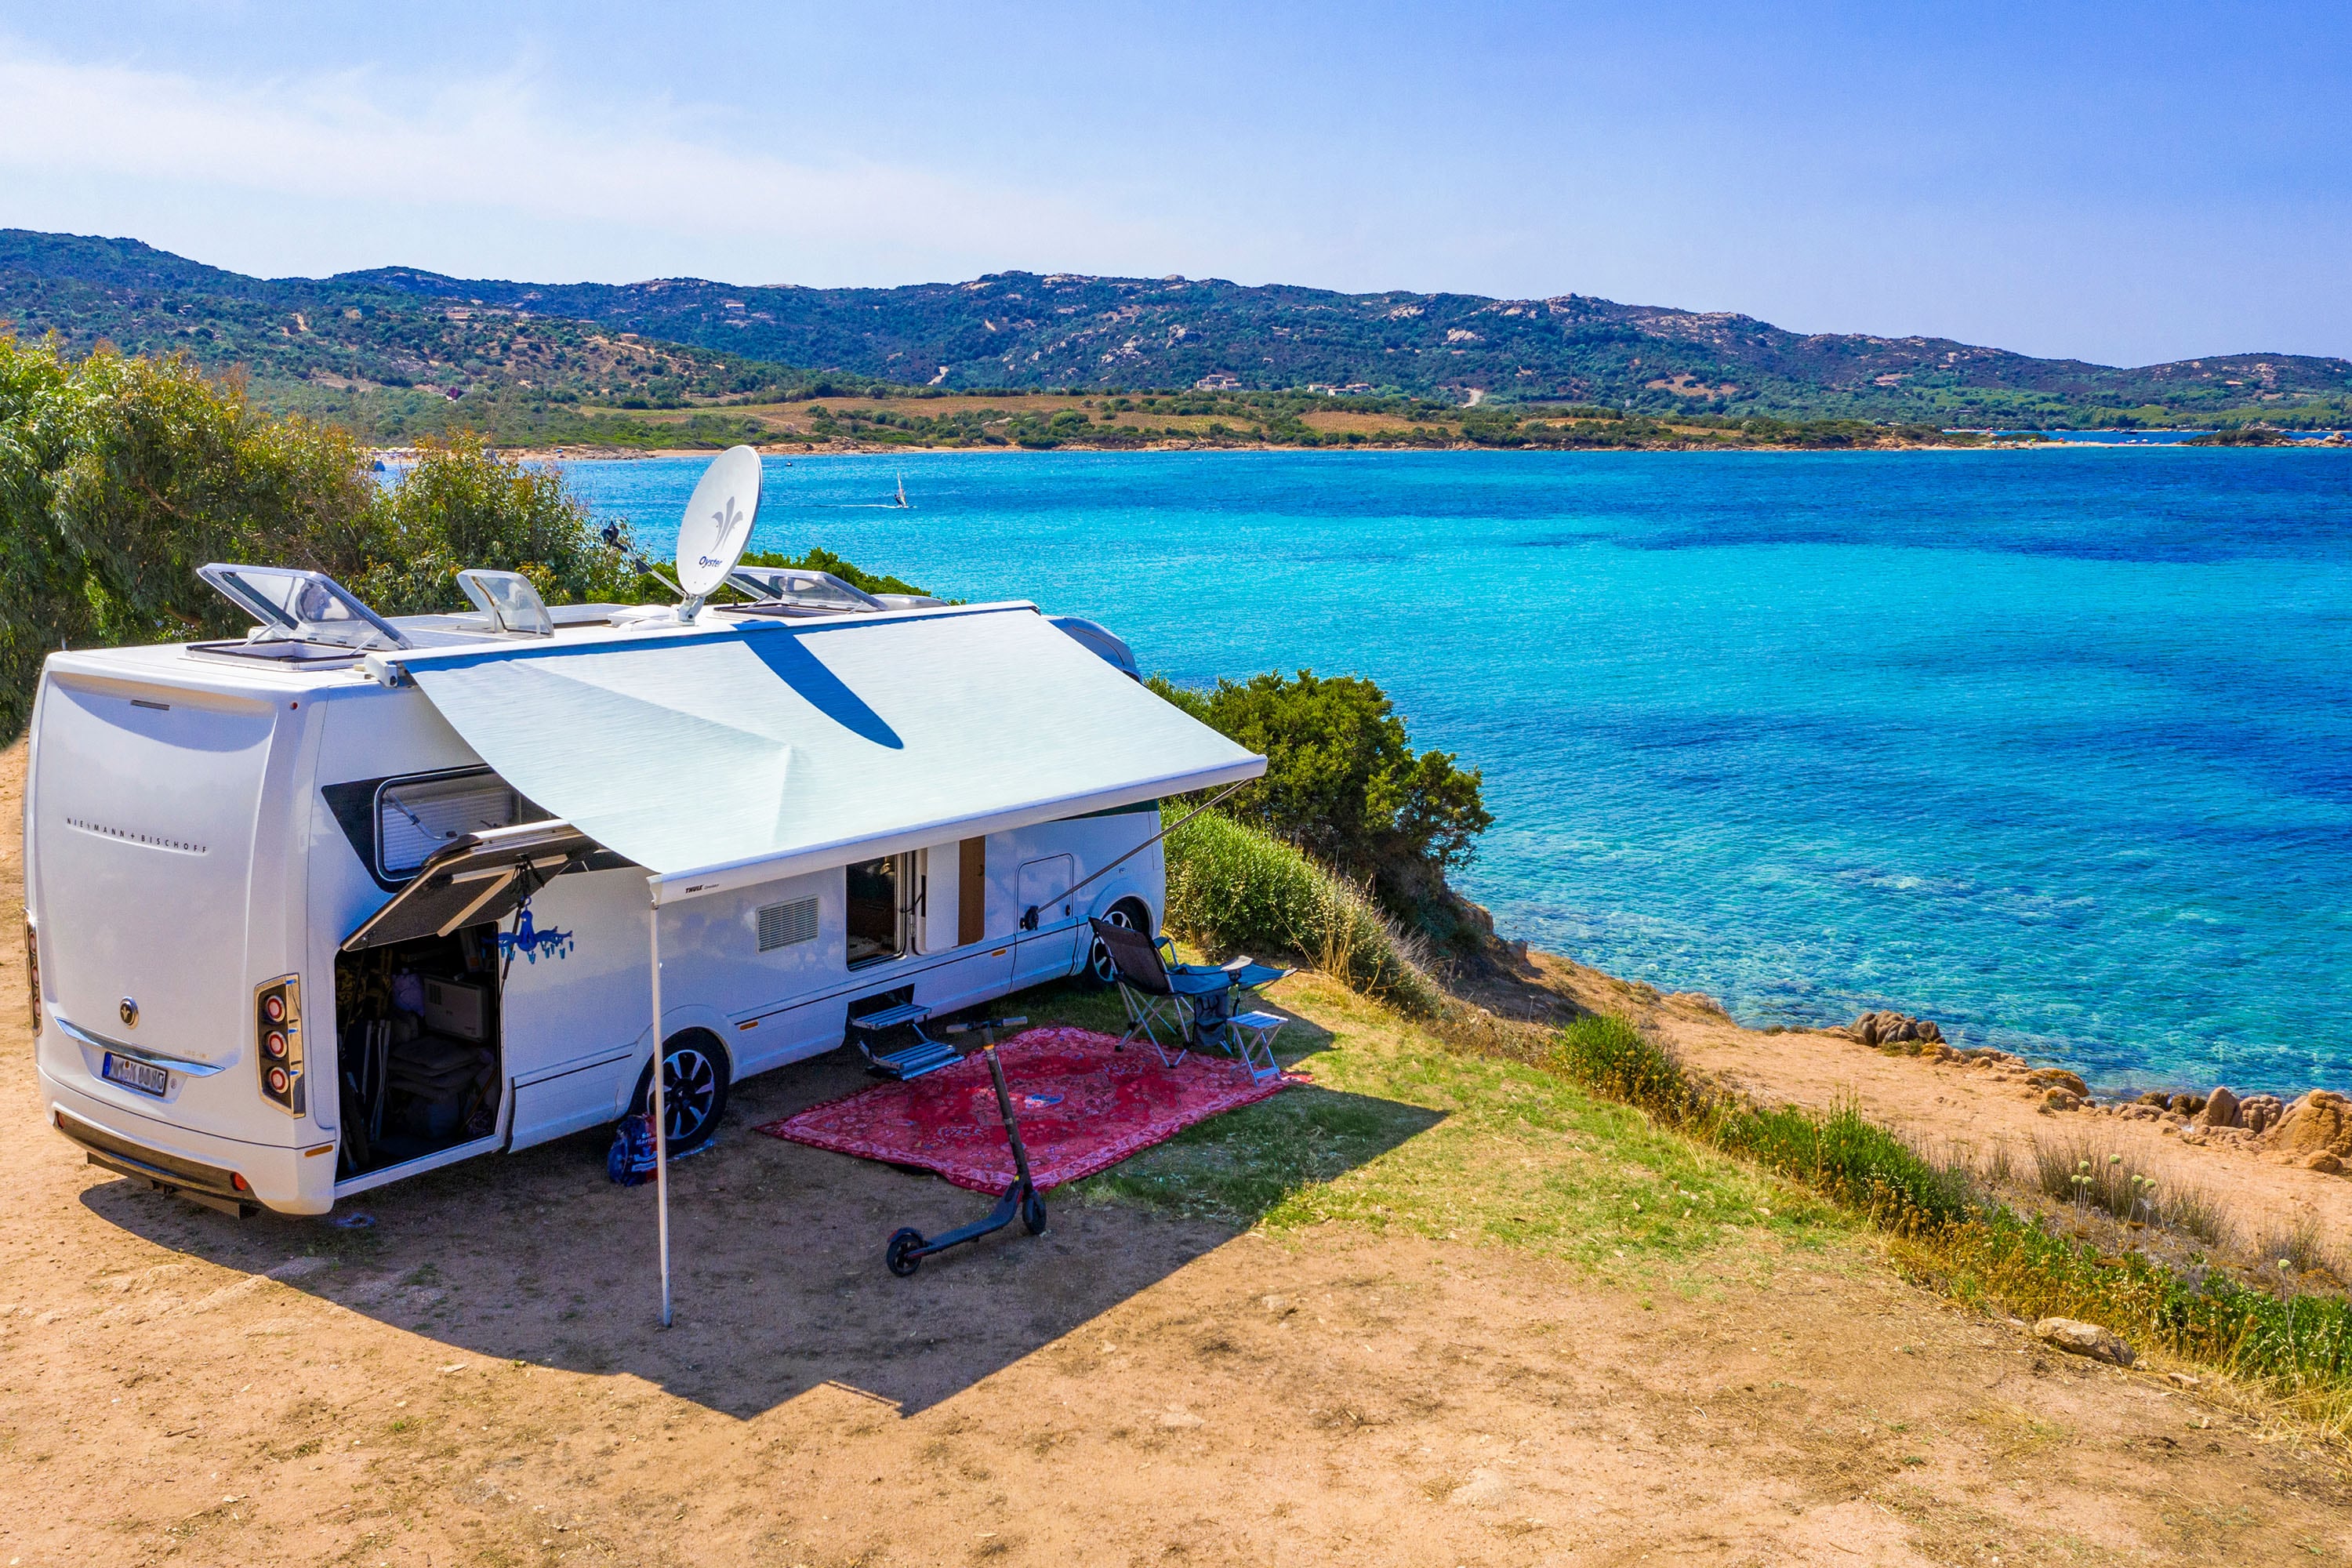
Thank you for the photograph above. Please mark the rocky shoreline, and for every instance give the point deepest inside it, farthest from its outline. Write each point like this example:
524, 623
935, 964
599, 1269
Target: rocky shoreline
2313, 1130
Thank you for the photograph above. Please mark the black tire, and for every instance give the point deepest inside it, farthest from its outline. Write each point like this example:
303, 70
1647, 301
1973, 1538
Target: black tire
1033, 1212
895, 1250
695, 1080
1098, 974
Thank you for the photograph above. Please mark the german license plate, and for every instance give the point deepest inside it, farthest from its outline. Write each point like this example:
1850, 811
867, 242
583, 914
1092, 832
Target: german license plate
132, 1074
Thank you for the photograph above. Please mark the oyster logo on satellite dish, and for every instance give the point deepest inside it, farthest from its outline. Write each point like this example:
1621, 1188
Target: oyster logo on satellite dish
531, 942
727, 518
719, 521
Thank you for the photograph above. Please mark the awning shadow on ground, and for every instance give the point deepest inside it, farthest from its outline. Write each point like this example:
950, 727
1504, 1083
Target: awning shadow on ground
776, 1255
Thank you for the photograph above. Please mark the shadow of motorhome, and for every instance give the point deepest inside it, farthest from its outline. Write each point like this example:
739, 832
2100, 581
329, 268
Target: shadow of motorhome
776, 1250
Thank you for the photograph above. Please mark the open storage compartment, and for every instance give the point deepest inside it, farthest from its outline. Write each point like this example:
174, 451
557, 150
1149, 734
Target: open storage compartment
418, 1059
417, 1016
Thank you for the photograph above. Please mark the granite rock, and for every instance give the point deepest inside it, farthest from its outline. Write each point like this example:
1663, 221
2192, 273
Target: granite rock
2221, 1109
2077, 1338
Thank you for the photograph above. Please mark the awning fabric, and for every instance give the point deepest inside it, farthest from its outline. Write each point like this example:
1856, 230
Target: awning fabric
732, 754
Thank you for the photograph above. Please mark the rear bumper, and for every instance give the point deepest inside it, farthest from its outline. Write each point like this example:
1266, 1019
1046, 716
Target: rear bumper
206, 1185
194, 1165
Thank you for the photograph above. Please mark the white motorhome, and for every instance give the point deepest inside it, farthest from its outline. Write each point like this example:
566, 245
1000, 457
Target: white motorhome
354, 898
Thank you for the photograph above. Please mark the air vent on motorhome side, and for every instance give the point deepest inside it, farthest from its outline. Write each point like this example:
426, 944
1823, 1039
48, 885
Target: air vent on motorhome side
781, 925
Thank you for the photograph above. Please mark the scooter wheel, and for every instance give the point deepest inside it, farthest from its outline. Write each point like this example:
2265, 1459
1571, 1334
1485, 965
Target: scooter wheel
1033, 1213
897, 1256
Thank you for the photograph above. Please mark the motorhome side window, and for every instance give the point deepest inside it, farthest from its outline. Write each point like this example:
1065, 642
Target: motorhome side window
414, 816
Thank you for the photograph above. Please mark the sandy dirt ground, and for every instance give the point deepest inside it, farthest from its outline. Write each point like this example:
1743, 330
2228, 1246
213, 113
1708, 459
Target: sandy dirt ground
1970, 1110
478, 1379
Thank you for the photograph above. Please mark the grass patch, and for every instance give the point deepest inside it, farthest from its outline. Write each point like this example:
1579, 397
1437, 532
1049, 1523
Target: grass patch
1604, 1152
1849, 1160
2186, 1206
1845, 1157
2298, 1345
2294, 1344
1401, 1134
2294, 1242
1243, 1166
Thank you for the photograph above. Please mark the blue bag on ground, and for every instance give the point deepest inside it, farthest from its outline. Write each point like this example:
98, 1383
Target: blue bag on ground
631, 1160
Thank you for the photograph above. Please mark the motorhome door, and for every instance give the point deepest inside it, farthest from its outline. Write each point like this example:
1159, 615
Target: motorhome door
1046, 953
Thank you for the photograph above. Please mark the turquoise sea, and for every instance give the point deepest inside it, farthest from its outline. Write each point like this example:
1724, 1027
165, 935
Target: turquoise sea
2054, 747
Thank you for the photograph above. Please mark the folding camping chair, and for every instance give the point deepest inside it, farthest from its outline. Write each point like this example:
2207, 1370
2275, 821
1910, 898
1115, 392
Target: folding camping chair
1156, 995
1192, 1000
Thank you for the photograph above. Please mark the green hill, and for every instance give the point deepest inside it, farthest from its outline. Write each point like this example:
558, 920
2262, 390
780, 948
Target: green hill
382, 346
391, 363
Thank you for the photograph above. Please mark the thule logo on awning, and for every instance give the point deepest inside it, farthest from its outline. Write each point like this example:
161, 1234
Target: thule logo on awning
129, 835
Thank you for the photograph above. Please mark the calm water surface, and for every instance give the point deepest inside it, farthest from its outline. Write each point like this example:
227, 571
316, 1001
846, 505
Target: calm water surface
2054, 747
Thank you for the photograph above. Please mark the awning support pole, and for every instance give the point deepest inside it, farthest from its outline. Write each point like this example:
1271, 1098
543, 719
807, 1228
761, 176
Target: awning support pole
661, 1117
1115, 865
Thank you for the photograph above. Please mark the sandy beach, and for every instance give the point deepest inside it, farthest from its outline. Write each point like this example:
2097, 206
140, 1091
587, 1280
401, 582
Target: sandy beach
876, 449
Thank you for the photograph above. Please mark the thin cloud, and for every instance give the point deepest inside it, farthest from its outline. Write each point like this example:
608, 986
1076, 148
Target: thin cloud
496, 145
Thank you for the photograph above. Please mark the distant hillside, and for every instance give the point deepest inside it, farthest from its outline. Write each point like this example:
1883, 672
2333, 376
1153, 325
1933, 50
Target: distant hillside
696, 341
390, 362
1020, 328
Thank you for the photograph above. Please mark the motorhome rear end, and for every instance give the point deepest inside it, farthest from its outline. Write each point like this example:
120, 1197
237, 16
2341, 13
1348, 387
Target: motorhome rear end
259, 982
166, 878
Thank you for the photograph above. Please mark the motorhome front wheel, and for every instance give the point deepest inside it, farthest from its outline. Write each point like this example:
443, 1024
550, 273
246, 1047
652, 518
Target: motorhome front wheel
695, 1080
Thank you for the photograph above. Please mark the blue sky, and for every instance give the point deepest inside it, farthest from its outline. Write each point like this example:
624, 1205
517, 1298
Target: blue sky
2126, 184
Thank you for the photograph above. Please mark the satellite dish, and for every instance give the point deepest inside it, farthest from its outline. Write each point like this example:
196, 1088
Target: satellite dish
717, 525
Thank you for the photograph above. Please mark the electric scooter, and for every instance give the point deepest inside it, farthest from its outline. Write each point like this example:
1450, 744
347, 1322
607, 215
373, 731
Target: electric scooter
907, 1248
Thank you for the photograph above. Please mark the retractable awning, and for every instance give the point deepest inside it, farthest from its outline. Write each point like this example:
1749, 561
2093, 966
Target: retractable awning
733, 754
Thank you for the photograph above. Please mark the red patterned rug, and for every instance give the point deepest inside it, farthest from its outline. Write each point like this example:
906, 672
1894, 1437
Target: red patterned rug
1084, 1107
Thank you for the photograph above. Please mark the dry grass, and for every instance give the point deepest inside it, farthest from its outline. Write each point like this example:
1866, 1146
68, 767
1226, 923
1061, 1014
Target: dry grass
2294, 1241
2082, 1172
2187, 1207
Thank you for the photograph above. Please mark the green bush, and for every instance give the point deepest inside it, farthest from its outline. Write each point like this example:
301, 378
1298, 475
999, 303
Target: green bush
823, 560
43, 601
166, 471
1233, 887
463, 505
121, 475
1343, 782
1609, 1056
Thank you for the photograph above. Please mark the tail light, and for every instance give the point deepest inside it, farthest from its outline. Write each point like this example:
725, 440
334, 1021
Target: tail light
278, 1028
33, 975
